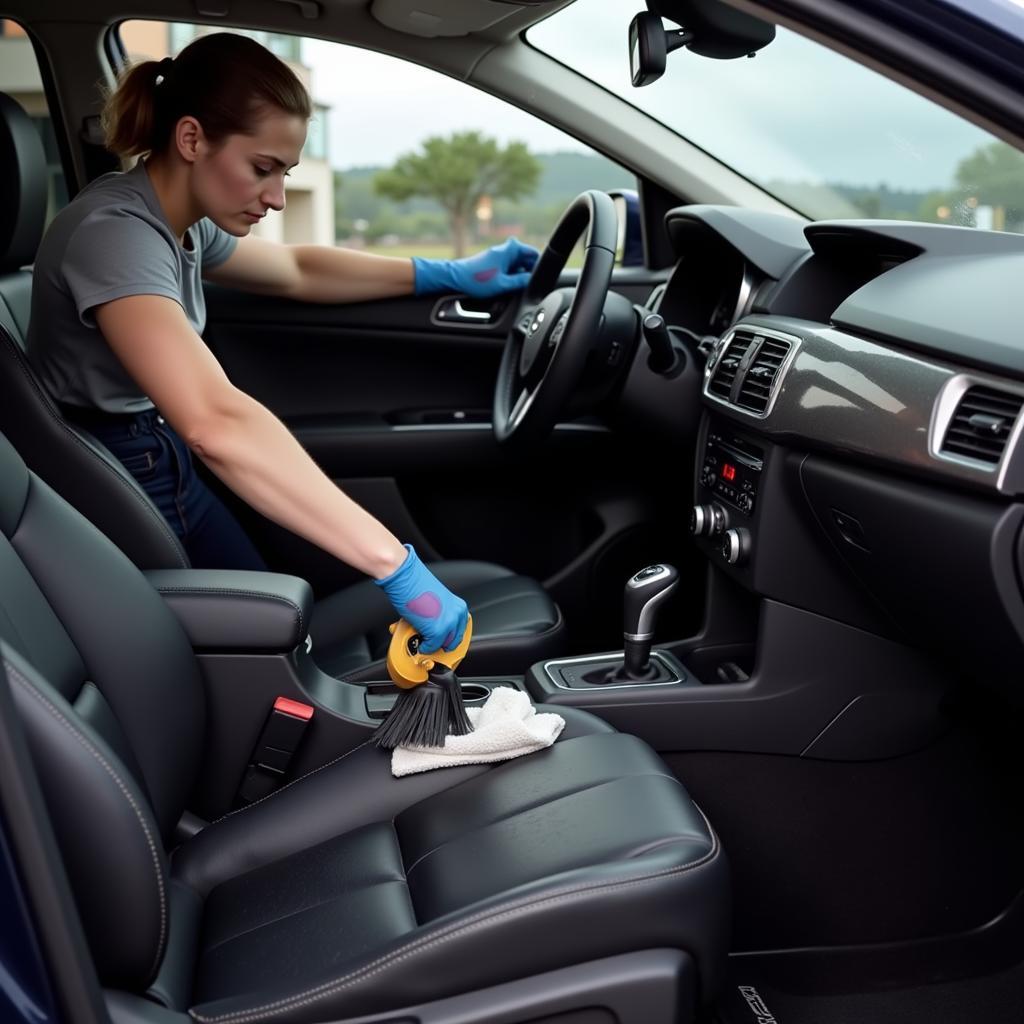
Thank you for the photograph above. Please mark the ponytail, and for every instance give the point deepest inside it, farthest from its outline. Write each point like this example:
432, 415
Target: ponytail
225, 81
129, 116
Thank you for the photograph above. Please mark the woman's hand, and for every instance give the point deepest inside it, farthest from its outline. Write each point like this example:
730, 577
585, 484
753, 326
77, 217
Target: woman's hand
502, 268
426, 604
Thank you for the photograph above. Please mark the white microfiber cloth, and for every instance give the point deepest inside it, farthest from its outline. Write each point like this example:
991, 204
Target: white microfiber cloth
506, 725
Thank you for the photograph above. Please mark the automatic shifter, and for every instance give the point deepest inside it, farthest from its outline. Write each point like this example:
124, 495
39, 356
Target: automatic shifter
645, 592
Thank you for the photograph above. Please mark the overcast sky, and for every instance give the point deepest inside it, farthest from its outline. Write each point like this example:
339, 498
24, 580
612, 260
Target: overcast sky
382, 107
796, 112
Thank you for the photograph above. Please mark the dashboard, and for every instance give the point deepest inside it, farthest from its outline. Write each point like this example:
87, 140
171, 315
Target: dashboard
861, 447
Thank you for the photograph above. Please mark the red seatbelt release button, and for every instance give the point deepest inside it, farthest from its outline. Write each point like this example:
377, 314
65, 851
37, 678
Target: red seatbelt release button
293, 707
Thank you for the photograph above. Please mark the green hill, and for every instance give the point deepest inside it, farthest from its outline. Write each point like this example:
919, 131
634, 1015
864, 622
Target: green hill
563, 176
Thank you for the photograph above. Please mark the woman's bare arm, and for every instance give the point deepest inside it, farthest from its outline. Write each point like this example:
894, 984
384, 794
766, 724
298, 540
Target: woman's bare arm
237, 437
313, 273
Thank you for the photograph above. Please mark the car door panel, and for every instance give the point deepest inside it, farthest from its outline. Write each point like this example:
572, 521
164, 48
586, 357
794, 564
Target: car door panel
395, 406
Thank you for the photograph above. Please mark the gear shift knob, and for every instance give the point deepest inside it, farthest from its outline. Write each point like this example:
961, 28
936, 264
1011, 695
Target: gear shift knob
645, 591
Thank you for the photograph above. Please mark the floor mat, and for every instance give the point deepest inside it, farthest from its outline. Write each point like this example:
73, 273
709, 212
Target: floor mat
992, 999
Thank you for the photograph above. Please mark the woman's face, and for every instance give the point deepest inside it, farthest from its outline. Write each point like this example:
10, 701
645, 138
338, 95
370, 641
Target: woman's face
238, 181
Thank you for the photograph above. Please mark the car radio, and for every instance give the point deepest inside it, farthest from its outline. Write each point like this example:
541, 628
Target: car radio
732, 469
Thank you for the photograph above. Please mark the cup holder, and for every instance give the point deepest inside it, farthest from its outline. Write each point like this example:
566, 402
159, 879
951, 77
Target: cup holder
474, 693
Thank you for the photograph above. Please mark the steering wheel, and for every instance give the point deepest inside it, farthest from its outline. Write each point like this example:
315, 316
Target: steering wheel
546, 350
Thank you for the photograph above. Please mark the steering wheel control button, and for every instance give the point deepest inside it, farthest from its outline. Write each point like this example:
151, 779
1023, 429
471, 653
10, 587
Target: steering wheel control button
542, 320
558, 330
736, 546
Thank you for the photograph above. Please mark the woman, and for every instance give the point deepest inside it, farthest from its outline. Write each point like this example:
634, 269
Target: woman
117, 312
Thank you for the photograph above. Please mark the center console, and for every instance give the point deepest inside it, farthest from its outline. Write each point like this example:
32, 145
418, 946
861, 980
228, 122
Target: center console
598, 670
791, 658
729, 491
646, 590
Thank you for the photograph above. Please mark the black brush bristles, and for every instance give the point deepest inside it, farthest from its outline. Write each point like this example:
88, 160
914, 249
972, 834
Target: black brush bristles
423, 715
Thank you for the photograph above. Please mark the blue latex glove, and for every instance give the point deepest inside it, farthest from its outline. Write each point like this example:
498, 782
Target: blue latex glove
502, 268
426, 604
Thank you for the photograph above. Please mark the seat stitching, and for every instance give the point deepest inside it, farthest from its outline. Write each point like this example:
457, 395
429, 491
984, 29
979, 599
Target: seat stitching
277, 792
152, 512
230, 591
540, 803
313, 995
83, 740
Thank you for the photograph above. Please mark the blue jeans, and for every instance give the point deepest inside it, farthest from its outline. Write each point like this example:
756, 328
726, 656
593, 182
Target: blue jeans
162, 464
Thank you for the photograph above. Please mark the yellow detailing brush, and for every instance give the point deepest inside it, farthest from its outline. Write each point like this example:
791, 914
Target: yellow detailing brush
429, 705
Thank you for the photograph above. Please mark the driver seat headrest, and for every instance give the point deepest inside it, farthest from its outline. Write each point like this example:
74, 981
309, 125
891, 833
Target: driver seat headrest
23, 187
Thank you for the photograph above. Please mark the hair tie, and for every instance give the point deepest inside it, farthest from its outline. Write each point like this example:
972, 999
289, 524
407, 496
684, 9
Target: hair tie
164, 70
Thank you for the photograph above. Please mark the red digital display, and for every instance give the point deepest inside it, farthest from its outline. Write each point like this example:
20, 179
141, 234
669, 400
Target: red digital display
728, 471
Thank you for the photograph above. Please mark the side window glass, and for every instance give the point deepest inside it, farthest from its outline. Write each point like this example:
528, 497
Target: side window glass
20, 79
420, 164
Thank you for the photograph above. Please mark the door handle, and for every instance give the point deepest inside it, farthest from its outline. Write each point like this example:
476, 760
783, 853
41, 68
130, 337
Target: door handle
482, 316
450, 311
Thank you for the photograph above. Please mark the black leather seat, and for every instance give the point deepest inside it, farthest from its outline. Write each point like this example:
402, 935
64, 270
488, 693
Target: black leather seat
515, 621
348, 892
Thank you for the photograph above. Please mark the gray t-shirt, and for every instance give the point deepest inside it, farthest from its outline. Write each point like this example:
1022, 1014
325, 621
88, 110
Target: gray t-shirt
112, 241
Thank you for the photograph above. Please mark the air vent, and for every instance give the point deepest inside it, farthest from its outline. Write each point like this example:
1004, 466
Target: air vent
759, 380
982, 424
728, 364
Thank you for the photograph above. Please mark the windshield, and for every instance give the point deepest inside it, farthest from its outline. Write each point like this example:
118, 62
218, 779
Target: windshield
822, 133
1007, 15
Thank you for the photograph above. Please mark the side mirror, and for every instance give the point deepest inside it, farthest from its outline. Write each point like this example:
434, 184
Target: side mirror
629, 247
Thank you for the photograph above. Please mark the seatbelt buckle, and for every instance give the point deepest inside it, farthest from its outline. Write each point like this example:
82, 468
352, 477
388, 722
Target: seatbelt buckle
282, 733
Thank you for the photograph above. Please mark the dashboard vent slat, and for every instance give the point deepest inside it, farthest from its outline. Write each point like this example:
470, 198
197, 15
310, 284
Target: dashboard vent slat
729, 363
981, 424
762, 374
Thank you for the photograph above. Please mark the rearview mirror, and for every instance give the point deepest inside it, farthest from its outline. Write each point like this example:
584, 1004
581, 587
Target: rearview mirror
710, 29
649, 45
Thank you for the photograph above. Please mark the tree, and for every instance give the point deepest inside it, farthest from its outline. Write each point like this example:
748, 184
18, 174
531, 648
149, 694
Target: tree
355, 199
458, 172
994, 176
